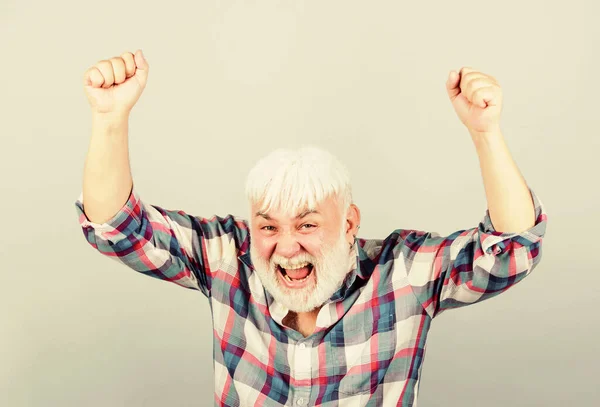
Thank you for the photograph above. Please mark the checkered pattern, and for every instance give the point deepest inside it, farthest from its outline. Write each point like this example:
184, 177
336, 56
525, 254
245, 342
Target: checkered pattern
370, 339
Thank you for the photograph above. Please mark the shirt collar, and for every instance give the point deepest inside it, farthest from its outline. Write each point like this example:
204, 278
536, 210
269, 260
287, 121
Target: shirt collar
362, 268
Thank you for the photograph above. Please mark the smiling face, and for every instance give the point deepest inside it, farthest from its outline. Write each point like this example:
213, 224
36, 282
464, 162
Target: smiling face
303, 257
302, 222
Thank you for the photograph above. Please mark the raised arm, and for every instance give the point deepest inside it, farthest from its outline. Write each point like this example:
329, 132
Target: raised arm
472, 265
113, 87
477, 100
167, 244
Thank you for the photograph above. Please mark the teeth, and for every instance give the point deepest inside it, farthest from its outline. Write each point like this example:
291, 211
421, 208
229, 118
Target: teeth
295, 266
290, 280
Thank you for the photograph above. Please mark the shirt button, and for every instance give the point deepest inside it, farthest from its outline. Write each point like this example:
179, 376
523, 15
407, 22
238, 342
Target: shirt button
300, 401
302, 346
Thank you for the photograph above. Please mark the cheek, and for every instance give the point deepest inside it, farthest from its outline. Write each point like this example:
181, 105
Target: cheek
313, 244
264, 247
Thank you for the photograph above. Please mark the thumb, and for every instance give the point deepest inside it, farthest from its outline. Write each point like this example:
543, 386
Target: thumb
142, 67
453, 85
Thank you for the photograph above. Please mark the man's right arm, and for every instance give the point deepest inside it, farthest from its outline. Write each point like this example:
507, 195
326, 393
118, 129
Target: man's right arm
112, 86
170, 245
115, 222
107, 181
166, 244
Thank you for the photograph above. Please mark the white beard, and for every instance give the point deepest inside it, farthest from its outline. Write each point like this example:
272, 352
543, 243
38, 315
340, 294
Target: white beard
330, 267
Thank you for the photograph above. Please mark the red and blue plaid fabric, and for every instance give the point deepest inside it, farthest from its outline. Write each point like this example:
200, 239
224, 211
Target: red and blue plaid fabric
370, 339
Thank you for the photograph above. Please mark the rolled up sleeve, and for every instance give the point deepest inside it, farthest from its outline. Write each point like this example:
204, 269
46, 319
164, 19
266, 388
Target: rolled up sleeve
472, 265
122, 224
160, 243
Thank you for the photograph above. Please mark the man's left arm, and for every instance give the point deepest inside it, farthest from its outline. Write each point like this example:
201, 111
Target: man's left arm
477, 100
473, 265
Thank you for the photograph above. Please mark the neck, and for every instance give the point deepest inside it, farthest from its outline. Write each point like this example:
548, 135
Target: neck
303, 322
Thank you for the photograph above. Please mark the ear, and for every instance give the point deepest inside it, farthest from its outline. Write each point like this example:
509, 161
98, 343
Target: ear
352, 223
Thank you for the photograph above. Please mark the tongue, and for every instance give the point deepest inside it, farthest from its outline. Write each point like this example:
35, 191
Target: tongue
297, 274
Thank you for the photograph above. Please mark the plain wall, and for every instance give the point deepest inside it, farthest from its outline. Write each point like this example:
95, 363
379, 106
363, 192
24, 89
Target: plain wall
232, 80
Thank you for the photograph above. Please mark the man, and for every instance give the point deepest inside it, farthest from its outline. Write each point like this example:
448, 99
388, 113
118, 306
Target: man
304, 312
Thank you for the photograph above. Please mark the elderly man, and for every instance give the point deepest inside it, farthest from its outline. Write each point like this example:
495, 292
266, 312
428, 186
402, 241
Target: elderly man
304, 312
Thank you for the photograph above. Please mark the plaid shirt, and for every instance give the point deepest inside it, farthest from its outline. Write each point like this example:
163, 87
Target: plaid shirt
370, 337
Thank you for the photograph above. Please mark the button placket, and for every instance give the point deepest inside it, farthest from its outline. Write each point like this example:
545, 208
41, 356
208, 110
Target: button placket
302, 371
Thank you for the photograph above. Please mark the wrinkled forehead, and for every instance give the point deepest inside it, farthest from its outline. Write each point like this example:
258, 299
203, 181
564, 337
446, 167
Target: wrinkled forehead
279, 215
294, 210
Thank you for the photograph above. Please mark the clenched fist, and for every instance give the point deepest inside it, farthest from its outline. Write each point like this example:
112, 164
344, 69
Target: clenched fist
115, 85
477, 99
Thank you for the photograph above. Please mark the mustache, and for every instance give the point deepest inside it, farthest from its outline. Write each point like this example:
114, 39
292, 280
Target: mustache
286, 262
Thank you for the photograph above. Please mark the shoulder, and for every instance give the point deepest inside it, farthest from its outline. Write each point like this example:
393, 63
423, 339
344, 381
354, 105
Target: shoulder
377, 247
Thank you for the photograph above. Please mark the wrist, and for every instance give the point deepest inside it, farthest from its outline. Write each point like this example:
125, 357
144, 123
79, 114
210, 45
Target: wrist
493, 131
489, 136
488, 143
109, 125
110, 119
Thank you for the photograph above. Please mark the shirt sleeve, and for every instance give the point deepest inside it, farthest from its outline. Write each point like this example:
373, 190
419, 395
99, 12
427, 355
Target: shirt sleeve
472, 265
170, 245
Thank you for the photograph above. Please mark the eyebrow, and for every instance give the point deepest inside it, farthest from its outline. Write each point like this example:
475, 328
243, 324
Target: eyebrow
264, 215
306, 213
299, 216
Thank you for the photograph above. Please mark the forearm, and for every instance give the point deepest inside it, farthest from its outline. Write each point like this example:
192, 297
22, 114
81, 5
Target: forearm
508, 197
107, 179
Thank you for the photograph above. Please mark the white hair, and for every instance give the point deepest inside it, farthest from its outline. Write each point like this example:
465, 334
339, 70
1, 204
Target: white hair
290, 180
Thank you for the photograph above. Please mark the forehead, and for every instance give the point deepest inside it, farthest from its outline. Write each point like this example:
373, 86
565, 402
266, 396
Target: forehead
324, 207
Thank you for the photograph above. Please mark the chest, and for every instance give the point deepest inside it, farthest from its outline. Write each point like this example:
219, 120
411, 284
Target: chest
303, 323
355, 352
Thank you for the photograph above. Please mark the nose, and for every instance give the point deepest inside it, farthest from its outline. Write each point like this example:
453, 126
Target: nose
287, 246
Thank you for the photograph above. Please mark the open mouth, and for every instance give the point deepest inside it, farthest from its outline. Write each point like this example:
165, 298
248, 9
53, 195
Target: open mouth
296, 275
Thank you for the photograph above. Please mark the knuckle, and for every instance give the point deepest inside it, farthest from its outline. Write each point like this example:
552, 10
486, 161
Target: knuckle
127, 56
118, 66
103, 63
117, 62
95, 76
129, 61
105, 67
88, 72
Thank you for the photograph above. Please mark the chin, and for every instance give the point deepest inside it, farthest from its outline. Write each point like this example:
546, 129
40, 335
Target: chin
330, 269
295, 299
304, 299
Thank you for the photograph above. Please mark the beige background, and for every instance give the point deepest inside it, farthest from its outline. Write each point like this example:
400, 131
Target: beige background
232, 80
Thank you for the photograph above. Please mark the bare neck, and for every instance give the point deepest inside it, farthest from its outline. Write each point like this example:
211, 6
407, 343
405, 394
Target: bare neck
303, 322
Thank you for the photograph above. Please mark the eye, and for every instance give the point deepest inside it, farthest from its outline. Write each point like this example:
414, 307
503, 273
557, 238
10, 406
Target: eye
308, 226
272, 228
